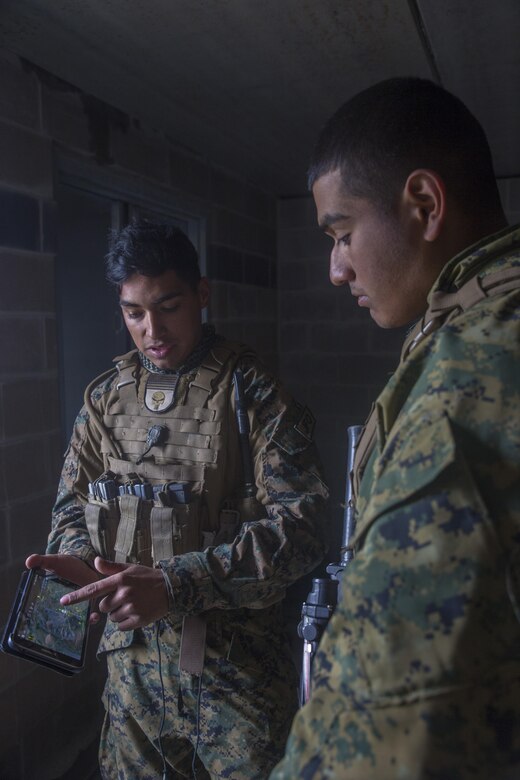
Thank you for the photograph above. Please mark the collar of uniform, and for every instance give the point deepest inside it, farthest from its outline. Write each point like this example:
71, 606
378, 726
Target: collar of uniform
472, 260
192, 361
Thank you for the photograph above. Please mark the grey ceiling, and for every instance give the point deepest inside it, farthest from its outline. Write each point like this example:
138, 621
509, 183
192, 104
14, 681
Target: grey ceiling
248, 83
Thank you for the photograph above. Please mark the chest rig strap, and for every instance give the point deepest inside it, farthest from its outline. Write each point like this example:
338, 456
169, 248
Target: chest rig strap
127, 367
442, 304
210, 368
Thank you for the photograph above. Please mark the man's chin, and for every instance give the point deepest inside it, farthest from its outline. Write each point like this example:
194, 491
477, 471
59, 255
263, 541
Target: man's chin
169, 363
380, 319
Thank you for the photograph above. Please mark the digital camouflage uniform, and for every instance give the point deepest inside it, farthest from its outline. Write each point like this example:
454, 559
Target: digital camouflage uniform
238, 713
418, 671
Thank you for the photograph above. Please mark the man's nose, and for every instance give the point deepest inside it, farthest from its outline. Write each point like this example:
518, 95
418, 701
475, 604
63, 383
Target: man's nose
340, 271
154, 325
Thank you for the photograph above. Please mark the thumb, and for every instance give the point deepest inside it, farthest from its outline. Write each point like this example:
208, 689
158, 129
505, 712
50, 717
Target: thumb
109, 567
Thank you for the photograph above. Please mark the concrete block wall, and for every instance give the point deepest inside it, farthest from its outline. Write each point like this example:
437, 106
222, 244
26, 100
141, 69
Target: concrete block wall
49, 724
242, 263
42, 729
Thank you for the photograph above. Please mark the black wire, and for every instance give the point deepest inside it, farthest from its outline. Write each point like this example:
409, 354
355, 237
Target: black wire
163, 718
195, 749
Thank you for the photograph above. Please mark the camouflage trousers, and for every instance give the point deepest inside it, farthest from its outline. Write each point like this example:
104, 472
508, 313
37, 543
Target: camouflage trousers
237, 715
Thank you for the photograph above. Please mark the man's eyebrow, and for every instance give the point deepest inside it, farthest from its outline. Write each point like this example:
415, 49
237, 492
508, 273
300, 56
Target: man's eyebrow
328, 220
156, 302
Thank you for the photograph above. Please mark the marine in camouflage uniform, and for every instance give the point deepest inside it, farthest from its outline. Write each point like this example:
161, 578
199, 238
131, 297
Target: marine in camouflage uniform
238, 712
418, 673
417, 676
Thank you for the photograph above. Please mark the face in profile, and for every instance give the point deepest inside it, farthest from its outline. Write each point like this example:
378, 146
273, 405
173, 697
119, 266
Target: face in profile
375, 253
163, 315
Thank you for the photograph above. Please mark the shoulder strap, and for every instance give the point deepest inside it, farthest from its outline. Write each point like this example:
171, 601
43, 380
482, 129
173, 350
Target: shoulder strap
210, 368
363, 450
442, 304
107, 444
127, 366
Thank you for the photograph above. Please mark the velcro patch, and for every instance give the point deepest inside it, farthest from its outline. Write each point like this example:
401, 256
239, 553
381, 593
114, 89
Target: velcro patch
160, 392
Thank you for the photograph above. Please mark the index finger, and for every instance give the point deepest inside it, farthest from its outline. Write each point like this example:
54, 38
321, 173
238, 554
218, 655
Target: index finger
91, 591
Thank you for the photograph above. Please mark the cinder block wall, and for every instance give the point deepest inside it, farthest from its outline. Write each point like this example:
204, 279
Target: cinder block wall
332, 355
49, 724
38, 709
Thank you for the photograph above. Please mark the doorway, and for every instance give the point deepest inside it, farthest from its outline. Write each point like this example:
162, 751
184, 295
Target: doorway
91, 331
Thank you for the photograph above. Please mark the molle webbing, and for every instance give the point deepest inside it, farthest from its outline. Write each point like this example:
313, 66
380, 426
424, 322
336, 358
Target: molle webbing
177, 438
194, 433
200, 421
179, 451
161, 472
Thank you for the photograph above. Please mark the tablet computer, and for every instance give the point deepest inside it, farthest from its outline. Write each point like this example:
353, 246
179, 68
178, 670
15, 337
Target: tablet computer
42, 630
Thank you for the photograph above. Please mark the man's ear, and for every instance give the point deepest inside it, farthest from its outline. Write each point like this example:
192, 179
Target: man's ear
425, 196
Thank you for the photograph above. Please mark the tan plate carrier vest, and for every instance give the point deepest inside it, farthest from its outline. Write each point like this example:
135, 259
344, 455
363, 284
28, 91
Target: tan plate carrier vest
201, 451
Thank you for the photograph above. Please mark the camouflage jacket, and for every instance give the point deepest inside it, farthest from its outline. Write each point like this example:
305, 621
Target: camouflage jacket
267, 554
418, 672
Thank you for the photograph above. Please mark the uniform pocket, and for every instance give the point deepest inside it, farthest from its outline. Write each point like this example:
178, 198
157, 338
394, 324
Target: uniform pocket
406, 467
114, 639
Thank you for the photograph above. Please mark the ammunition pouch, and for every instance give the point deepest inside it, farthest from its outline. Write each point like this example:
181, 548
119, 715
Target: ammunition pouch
131, 529
102, 519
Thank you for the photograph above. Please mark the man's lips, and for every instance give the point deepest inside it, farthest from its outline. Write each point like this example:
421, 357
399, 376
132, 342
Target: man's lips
362, 299
159, 350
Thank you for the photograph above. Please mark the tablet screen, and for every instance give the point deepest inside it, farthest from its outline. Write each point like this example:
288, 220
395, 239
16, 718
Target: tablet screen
44, 622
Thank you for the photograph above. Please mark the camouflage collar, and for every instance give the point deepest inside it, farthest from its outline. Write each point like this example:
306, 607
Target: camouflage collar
503, 246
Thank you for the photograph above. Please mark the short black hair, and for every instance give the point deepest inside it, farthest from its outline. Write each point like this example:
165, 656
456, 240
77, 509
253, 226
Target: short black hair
378, 137
150, 249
